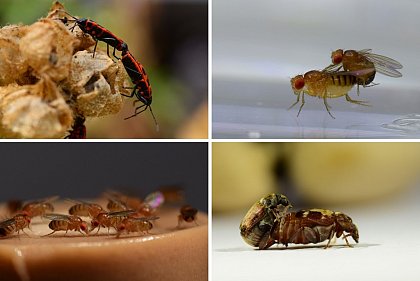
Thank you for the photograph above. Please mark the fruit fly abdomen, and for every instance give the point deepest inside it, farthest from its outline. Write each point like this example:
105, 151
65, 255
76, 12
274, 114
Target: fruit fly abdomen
260, 218
7, 227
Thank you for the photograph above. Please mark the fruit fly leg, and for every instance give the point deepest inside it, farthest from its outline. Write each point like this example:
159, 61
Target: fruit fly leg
359, 102
327, 106
49, 234
297, 101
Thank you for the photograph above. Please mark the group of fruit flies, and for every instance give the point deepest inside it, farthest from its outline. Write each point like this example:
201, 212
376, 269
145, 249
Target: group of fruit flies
142, 89
348, 68
268, 222
125, 214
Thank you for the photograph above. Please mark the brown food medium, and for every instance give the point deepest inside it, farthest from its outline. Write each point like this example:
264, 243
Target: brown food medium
167, 253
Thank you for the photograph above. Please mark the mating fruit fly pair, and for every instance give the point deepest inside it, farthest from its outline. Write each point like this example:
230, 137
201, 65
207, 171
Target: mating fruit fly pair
142, 89
359, 68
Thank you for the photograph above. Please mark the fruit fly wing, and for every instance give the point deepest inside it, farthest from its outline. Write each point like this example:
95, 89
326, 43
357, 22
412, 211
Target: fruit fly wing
42, 201
146, 218
60, 217
121, 213
391, 72
78, 201
332, 68
383, 64
154, 199
380, 59
356, 73
7, 222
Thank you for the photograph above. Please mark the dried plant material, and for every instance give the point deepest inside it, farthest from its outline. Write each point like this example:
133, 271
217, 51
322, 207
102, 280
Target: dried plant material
48, 48
27, 113
13, 65
96, 83
48, 75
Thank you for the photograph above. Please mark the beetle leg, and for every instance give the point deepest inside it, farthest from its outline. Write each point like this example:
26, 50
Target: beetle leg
347, 242
331, 237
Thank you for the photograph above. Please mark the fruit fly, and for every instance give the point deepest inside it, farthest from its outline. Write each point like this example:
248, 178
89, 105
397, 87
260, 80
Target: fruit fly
141, 89
116, 205
187, 214
65, 223
15, 224
111, 219
258, 222
351, 60
118, 201
98, 33
128, 225
85, 209
39, 208
78, 129
312, 226
326, 85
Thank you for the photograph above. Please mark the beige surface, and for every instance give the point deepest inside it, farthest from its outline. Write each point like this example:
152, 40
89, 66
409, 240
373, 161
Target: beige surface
167, 253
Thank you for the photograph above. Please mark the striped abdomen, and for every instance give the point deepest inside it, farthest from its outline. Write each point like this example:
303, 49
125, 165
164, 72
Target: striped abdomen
342, 80
7, 230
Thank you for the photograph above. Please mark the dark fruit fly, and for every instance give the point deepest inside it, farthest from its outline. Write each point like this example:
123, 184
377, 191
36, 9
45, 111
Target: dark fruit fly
187, 214
326, 85
141, 89
258, 222
312, 226
98, 33
78, 129
351, 60
65, 223
15, 224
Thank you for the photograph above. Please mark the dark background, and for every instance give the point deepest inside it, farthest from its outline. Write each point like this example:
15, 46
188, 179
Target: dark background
84, 170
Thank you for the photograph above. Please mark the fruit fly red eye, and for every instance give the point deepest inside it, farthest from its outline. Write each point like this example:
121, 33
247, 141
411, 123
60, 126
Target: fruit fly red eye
337, 56
299, 83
